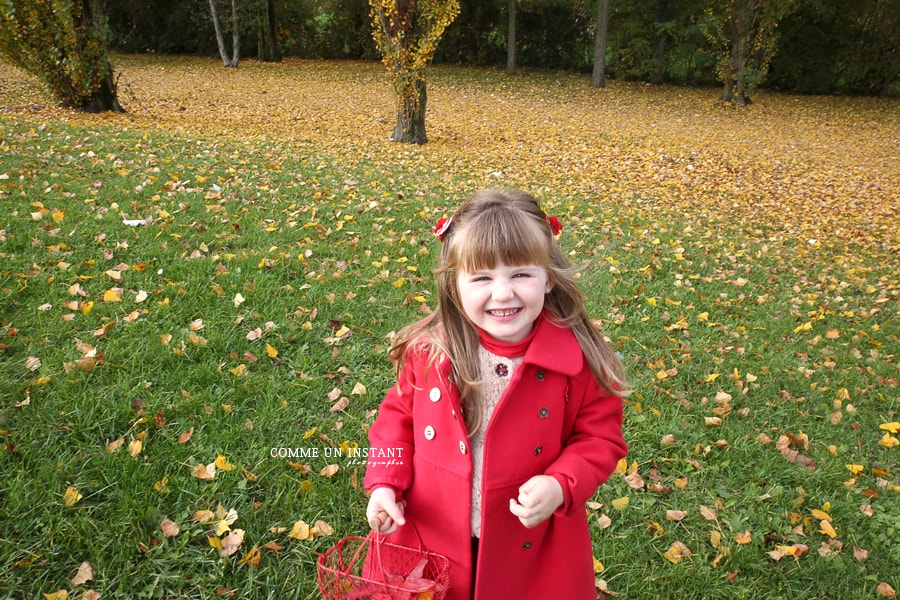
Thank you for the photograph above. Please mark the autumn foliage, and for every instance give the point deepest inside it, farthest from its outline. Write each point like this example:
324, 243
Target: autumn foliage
196, 298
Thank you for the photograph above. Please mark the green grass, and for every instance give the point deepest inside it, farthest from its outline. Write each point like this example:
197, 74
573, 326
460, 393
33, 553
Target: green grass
308, 236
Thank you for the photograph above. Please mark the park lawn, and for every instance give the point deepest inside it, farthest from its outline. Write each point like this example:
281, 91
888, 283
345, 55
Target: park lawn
226, 352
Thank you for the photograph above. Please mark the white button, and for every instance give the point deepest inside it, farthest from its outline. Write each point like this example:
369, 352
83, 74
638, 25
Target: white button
462, 447
429, 432
435, 394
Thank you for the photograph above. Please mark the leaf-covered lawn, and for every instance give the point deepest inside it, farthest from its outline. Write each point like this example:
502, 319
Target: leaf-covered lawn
196, 297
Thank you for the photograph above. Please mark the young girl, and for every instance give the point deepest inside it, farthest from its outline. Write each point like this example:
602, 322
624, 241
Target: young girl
506, 416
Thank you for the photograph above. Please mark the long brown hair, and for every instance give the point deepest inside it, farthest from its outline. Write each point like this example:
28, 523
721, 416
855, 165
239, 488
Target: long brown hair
507, 227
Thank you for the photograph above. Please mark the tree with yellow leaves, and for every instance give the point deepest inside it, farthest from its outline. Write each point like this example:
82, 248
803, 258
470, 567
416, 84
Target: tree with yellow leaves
407, 33
65, 44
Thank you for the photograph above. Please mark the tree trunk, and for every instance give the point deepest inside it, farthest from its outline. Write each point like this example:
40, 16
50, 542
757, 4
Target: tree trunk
235, 35
410, 127
105, 97
659, 61
220, 39
744, 21
274, 54
598, 78
511, 39
729, 91
663, 11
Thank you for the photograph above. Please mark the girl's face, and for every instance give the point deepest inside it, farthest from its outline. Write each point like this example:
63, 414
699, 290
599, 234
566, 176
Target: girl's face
504, 301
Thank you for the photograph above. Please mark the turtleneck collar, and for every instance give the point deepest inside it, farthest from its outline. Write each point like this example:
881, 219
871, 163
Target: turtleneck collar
509, 349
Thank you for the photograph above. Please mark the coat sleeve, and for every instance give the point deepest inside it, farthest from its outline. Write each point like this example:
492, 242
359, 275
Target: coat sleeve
594, 444
392, 435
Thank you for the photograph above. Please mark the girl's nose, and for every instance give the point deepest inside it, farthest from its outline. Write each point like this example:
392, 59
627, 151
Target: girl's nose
501, 290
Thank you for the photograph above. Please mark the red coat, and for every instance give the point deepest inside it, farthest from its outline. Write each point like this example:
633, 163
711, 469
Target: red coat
553, 419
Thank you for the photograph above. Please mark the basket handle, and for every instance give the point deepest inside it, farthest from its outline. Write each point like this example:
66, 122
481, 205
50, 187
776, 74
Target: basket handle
376, 537
374, 533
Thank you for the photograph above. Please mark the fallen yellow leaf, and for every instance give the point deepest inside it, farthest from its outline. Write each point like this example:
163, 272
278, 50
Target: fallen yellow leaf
71, 496
821, 515
214, 541
826, 528
252, 557
135, 447
226, 520
795, 550
676, 553
889, 441
203, 516
222, 464
204, 472
620, 503
300, 531
744, 537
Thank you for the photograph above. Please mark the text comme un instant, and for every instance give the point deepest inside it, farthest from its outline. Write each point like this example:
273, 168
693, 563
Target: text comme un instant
353, 453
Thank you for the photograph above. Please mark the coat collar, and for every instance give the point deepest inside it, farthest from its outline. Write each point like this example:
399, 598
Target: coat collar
555, 348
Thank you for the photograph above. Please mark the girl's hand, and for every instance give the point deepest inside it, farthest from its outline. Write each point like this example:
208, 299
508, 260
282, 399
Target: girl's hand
538, 498
384, 513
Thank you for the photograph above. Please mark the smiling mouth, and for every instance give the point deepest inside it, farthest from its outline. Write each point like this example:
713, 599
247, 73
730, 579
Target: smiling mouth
504, 312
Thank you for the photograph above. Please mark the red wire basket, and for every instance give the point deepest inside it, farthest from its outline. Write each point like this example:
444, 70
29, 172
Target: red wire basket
368, 568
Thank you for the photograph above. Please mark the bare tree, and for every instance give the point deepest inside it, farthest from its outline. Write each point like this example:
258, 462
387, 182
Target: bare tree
598, 78
270, 51
511, 39
235, 34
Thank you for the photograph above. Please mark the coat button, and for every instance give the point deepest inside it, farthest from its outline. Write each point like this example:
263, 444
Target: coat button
462, 447
435, 394
538, 450
526, 545
540, 376
542, 413
429, 432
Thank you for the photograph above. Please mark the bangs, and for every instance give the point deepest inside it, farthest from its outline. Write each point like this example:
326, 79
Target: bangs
500, 235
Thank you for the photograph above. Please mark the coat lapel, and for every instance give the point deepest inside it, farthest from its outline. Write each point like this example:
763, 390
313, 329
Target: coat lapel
555, 348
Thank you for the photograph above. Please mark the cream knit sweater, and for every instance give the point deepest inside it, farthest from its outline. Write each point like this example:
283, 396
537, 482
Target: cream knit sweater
496, 373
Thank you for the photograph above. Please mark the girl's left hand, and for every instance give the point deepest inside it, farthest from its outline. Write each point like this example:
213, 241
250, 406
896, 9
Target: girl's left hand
538, 498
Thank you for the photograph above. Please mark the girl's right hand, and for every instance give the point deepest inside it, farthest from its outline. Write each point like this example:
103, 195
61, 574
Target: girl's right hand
384, 513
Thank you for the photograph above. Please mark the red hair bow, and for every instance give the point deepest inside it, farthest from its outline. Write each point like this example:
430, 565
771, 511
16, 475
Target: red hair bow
443, 224
555, 225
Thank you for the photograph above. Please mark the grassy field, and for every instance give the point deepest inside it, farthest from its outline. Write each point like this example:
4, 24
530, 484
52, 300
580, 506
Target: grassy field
196, 299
